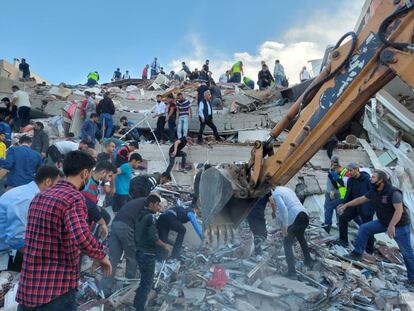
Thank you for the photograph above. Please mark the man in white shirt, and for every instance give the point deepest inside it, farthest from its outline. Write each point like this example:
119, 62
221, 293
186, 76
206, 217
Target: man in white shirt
160, 111
22, 102
294, 220
126, 75
304, 75
59, 149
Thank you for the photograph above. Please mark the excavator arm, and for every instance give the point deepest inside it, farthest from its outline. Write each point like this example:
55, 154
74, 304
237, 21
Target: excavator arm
357, 70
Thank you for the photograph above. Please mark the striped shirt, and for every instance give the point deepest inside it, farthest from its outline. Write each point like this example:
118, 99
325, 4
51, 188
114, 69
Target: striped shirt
183, 107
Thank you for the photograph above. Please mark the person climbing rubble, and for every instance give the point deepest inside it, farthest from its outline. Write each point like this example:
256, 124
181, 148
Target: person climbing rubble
176, 150
173, 220
392, 218
146, 241
142, 185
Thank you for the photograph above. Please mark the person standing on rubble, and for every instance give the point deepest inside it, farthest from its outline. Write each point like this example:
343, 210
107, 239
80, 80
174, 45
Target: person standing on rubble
392, 218
358, 184
155, 68
265, 78
173, 219
126, 75
90, 106
236, 72
160, 112
279, 73
257, 222
294, 220
171, 117
117, 75
335, 191
90, 130
146, 241
304, 74
106, 111
176, 150
145, 72
122, 181
205, 115
183, 116
186, 69
56, 235
40, 141
25, 69
21, 100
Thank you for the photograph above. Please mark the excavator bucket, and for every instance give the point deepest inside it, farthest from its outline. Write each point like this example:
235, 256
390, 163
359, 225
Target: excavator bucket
223, 199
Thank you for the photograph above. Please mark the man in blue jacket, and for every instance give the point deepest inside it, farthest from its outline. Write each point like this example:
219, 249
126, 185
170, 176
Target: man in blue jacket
173, 219
357, 186
22, 163
89, 130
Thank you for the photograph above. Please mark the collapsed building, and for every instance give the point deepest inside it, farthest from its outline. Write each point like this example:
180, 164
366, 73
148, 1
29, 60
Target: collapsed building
221, 274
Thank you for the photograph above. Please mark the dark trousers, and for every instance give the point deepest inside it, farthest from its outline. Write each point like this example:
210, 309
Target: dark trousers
119, 200
183, 156
236, 78
65, 302
15, 264
171, 129
121, 241
296, 230
365, 214
159, 132
167, 222
23, 116
207, 121
54, 154
146, 263
258, 227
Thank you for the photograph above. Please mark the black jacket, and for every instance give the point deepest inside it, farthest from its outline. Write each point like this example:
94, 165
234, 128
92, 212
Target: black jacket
106, 105
40, 142
265, 75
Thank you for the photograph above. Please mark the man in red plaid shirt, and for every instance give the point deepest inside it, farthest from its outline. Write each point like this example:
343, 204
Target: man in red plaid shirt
56, 235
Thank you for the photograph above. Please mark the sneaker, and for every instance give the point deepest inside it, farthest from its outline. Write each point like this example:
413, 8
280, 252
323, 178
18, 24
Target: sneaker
354, 256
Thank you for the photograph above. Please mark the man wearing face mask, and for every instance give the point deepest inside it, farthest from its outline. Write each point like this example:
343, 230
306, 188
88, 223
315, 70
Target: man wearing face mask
56, 235
392, 218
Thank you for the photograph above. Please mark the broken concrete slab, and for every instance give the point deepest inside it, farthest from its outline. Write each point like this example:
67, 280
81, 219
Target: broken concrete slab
195, 294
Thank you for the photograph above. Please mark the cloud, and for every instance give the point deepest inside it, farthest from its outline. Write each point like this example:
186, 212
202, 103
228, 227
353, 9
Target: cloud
298, 45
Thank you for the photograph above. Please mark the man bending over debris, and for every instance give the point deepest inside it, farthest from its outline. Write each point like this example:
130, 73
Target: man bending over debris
176, 150
294, 220
56, 235
142, 185
173, 219
392, 217
146, 240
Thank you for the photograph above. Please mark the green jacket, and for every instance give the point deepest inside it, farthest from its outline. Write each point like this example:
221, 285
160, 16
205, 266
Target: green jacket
146, 233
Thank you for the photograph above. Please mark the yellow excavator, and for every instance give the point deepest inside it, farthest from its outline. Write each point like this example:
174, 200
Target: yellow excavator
357, 69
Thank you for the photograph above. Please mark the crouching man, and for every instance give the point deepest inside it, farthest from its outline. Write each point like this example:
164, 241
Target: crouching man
392, 217
294, 220
173, 219
146, 240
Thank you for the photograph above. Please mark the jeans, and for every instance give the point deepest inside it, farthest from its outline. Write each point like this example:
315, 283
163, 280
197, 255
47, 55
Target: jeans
402, 237
296, 230
91, 82
167, 222
171, 129
366, 213
182, 126
236, 78
121, 241
65, 302
183, 156
207, 121
329, 207
109, 124
23, 117
250, 84
146, 263
153, 73
263, 84
159, 132
279, 80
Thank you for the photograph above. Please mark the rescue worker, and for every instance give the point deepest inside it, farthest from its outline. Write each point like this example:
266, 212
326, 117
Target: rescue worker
93, 78
173, 219
236, 72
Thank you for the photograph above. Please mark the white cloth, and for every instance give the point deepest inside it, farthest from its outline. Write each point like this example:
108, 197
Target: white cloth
126, 76
287, 204
66, 146
223, 78
160, 108
22, 99
305, 75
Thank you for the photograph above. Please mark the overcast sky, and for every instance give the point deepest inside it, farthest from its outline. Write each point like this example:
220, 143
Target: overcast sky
63, 41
